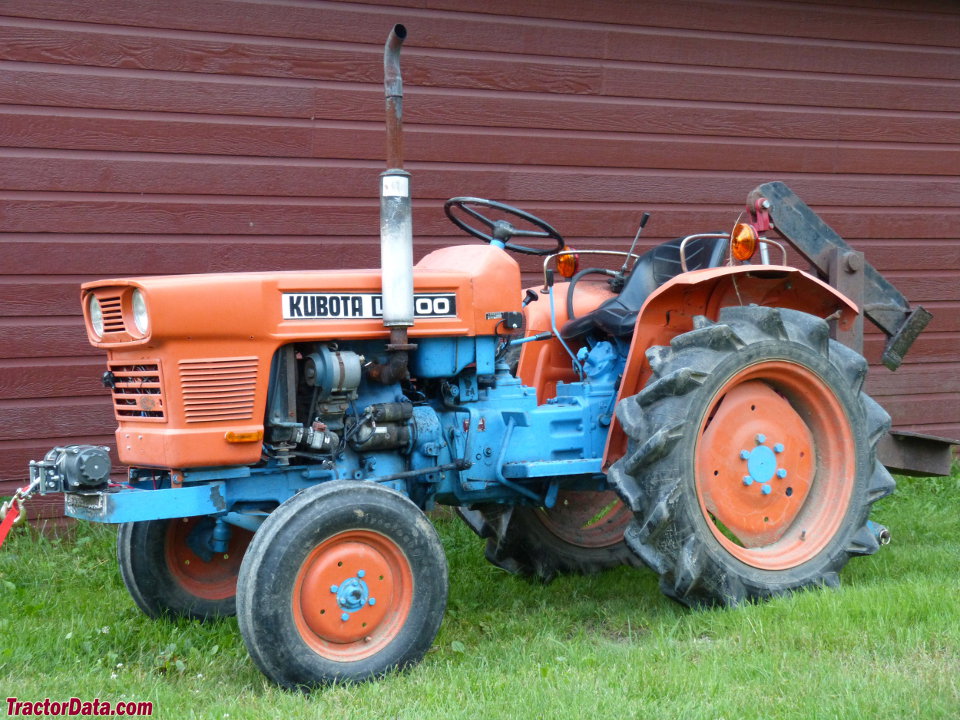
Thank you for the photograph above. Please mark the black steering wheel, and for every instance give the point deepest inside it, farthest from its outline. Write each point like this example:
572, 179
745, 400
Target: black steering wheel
501, 230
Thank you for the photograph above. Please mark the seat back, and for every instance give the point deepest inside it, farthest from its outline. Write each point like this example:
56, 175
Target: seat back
618, 315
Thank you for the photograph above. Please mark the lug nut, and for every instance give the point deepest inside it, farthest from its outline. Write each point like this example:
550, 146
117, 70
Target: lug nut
761, 439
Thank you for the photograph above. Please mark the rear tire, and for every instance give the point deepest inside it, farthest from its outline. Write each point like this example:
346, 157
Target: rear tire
165, 576
751, 467
345, 581
582, 534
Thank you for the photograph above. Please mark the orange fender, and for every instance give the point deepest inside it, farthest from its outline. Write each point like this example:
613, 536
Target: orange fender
670, 309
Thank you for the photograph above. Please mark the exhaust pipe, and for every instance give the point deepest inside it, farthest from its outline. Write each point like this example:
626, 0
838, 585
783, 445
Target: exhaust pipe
396, 223
880, 532
393, 90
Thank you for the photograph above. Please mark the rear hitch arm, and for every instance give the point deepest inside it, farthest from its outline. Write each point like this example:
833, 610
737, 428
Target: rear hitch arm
776, 205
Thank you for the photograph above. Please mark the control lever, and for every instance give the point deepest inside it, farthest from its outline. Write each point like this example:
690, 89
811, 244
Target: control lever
643, 223
619, 280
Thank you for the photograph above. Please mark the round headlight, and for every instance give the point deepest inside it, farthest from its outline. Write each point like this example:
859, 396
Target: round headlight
96, 315
140, 318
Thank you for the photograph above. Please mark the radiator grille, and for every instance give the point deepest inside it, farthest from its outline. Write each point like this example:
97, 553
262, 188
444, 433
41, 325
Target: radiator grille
112, 309
218, 389
137, 391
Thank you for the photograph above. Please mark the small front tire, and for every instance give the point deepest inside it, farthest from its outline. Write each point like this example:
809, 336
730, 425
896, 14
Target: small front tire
164, 574
344, 582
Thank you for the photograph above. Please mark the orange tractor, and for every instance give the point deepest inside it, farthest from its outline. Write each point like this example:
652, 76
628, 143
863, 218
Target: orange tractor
285, 432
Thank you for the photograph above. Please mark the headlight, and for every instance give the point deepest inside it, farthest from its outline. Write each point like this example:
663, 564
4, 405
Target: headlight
96, 316
140, 318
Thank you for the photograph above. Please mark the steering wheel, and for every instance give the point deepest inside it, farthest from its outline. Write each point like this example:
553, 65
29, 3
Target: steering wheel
501, 231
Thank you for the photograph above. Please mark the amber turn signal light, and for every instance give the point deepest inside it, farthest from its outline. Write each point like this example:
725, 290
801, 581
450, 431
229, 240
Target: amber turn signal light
568, 263
244, 437
743, 241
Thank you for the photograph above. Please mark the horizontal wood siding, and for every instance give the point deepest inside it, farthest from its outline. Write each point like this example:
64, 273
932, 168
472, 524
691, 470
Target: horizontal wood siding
226, 135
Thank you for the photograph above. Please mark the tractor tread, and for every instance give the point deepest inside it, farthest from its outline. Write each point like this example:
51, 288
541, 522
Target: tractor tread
881, 485
850, 363
656, 446
712, 337
669, 532
863, 542
679, 382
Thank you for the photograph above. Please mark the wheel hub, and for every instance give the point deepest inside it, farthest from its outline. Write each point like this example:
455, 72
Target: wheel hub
212, 576
352, 594
762, 464
754, 488
351, 591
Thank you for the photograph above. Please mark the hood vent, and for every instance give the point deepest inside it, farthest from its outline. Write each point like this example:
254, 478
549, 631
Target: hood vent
218, 389
137, 390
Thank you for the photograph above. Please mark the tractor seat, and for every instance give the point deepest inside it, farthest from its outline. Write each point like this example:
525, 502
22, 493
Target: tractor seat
618, 315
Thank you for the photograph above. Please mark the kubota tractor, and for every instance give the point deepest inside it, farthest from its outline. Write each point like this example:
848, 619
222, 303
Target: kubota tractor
286, 431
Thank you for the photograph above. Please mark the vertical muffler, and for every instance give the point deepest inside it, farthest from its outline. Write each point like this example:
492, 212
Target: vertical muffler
396, 222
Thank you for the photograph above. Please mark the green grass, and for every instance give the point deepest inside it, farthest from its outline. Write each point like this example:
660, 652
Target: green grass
886, 645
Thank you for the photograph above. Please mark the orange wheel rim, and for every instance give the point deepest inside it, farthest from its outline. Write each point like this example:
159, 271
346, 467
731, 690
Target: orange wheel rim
775, 465
213, 579
352, 595
587, 519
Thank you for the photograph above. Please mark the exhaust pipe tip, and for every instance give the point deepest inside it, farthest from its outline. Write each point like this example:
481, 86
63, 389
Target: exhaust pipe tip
880, 532
392, 82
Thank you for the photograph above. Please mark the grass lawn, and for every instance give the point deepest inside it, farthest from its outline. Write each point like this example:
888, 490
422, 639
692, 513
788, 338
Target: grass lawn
886, 645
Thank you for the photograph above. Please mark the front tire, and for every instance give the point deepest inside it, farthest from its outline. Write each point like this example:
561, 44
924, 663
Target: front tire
345, 581
751, 467
164, 574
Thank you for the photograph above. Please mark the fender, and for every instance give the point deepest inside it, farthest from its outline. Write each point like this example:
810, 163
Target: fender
670, 309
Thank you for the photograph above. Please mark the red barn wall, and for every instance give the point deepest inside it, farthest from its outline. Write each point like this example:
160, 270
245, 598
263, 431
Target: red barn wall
178, 136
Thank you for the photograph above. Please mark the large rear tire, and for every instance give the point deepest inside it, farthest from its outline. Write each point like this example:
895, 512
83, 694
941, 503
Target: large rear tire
751, 467
345, 581
165, 575
581, 534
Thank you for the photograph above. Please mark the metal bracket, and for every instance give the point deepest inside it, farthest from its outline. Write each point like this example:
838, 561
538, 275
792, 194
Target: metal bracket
881, 302
845, 273
910, 453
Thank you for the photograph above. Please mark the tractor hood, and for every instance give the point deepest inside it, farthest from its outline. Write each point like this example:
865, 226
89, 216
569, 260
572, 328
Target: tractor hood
455, 290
